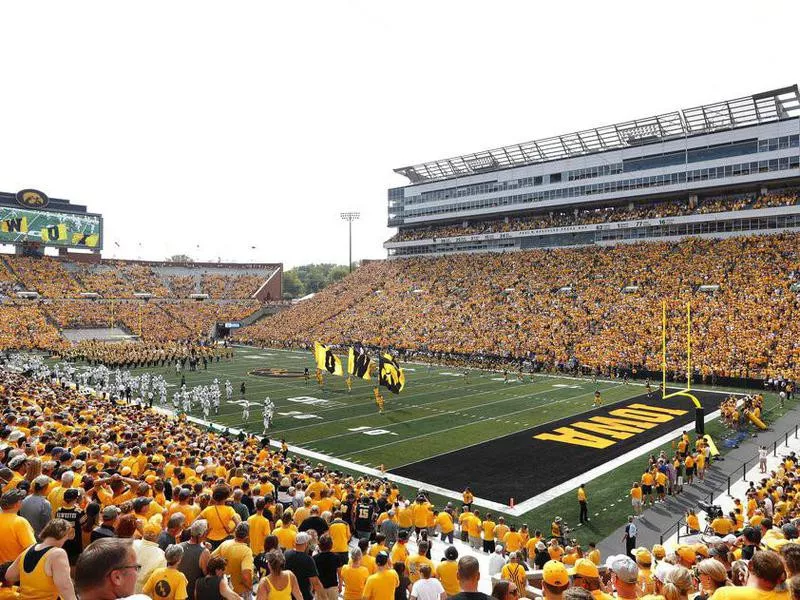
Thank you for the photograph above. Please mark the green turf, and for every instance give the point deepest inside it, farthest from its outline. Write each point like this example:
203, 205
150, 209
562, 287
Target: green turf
436, 413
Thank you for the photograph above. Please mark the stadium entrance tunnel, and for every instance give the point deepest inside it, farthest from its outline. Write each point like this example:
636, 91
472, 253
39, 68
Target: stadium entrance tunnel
524, 464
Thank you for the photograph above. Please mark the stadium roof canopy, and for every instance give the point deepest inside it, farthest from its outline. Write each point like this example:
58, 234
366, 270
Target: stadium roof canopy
774, 105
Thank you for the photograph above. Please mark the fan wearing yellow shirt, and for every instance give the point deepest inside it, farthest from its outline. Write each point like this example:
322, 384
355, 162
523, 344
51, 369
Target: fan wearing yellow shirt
399, 550
488, 526
692, 522
514, 571
379, 545
636, 498
447, 571
647, 487
286, 532
340, 534
354, 576
168, 583
444, 521
239, 559
221, 518
474, 530
405, 518
512, 541
260, 527
593, 554
584, 510
530, 545
367, 560
17, 533
415, 561
383, 583
420, 510
500, 530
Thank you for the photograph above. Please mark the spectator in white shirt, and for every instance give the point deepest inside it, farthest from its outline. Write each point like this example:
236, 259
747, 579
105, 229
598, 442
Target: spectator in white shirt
496, 561
427, 588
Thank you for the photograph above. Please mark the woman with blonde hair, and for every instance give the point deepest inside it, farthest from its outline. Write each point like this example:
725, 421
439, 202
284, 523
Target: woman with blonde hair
676, 583
711, 575
34, 465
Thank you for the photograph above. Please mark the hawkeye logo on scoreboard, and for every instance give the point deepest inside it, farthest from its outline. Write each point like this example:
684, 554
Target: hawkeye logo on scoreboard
31, 198
622, 423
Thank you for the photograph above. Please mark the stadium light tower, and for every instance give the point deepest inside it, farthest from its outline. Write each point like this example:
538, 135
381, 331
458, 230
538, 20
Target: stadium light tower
350, 217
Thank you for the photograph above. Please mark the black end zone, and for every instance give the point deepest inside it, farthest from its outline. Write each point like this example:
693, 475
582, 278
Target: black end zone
524, 464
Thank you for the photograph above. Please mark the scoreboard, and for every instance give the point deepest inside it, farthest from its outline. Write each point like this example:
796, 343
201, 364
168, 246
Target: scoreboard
34, 219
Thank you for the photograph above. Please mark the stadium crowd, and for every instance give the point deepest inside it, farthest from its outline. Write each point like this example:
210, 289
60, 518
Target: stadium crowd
604, 214
570, 306
57, 279
106, 499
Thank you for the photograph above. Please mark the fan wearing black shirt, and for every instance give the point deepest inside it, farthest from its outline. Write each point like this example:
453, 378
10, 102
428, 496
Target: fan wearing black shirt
469, 574
72, 513
329, 567
315, 522
365, 516
303, 566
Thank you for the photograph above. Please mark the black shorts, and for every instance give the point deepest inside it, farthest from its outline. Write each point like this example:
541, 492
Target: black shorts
647, 489
659, 489
689, 471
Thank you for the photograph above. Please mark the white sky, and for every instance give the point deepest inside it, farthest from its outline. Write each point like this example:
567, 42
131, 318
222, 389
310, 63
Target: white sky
232, 124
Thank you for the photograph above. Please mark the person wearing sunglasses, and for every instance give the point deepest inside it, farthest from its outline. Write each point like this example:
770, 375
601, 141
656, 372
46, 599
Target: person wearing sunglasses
505, 590
107, 570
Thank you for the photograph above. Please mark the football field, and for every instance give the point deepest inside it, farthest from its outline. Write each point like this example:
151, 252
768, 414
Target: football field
533, 441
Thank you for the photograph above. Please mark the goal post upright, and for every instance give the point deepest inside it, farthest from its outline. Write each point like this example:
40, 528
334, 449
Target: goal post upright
687, 391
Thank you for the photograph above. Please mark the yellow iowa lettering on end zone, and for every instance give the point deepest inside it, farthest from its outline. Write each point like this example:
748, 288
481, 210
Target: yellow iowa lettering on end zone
626, 422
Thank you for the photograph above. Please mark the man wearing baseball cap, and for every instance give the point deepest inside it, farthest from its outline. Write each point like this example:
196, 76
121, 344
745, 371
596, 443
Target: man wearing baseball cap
109, 517
35, 508
303, 566
586, 575
381, 584
686, 556
555, 579
17, 533
624, 575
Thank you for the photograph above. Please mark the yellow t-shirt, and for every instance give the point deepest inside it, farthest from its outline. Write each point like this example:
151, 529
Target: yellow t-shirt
399, 553
240, 558
381, 585
474, 526
512, 541
286, 536
17, 534
446, 572
259, 529
166, 584
445, 522
636, 493
354, 579
488, 530
747, 593
220, 521
340, 534
420, 512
